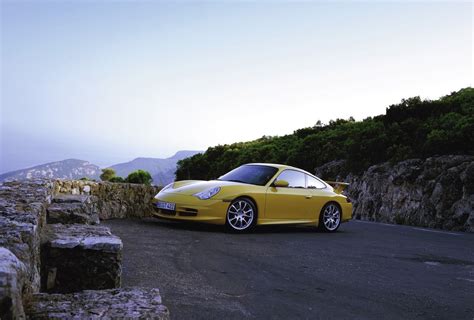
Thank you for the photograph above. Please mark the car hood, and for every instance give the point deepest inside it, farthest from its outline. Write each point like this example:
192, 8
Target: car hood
190, 187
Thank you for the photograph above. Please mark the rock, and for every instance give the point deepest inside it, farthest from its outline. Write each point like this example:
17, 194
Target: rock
13, 277
80, 257
127, 303
86, 190
334, 169
437, 192
69, 209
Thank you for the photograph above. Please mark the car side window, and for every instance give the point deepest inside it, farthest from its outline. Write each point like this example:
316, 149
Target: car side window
295, 179
314, 183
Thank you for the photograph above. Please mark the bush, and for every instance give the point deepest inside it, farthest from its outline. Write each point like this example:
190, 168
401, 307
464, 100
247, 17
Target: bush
414, 128
107, 174
139, 176
117, 179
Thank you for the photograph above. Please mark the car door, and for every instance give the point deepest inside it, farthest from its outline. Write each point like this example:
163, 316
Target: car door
319, 195
288, 203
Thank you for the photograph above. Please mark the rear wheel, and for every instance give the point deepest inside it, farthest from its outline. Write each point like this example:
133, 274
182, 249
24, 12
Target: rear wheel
241, 215
330, 217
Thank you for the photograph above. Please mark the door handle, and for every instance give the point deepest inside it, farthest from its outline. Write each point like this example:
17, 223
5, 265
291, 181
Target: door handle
308, 197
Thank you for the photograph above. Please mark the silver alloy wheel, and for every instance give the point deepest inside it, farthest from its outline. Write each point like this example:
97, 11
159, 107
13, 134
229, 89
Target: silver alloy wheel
331, 217
240, 214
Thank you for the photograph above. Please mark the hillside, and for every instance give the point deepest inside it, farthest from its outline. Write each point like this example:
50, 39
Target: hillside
414, 128
161, 170
65, 169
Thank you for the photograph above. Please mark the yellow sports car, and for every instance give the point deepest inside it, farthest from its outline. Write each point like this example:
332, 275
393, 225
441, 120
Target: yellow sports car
257, 194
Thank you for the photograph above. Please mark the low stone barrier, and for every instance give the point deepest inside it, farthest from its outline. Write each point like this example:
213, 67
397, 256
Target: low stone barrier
22, 216
80, 257
113, 200
12, 281
126, 303
70, 256
68, 209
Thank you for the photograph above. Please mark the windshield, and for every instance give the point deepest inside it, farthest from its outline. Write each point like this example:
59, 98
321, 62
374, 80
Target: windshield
251, 174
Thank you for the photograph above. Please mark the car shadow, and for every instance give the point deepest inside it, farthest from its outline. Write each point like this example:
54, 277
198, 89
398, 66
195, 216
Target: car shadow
203, 227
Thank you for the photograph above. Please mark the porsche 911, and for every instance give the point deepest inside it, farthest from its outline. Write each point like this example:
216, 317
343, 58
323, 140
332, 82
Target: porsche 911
257, 194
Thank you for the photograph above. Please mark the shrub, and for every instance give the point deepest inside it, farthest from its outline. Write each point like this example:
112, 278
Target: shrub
117, 179
107, 174
139, 176
414, 128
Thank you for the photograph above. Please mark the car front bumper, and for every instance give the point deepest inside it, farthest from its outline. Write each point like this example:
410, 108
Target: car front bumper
190, 208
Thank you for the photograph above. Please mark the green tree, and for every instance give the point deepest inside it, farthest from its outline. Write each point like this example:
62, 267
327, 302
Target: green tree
117, 179
139, 176
414, 128
107, 174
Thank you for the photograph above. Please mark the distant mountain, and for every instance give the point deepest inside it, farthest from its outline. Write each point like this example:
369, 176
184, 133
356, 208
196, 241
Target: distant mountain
161, 170
65, 169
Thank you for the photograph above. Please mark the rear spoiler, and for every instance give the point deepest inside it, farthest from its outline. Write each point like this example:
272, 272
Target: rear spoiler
338, 186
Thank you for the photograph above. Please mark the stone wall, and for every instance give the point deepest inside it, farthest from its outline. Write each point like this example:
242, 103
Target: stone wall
76, 257
22, 217
437, 192
113, 200
50, 241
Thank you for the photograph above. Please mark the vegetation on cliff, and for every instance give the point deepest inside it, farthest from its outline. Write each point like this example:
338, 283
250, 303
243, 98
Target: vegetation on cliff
414, 128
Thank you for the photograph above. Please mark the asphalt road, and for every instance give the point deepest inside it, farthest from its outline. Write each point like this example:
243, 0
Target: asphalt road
364, 271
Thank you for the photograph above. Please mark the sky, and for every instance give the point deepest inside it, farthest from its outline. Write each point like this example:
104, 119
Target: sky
109, 81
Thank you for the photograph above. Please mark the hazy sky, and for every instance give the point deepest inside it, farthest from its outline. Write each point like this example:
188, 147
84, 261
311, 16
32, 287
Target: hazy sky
107, 81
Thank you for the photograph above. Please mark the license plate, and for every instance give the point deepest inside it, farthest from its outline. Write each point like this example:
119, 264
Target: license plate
165, 205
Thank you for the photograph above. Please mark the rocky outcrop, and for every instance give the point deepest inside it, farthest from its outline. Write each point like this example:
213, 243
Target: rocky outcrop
437, 192
127, 303
113, 200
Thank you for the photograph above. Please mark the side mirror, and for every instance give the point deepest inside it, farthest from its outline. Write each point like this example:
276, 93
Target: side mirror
281, 184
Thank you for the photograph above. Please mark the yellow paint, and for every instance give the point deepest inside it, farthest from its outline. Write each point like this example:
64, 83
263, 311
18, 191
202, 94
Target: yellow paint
275, 205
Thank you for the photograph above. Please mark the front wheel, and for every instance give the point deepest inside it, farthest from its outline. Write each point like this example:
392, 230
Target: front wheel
241, 215
330, 217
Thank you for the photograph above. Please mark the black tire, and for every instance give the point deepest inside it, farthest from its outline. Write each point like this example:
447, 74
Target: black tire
330, 217
241, 215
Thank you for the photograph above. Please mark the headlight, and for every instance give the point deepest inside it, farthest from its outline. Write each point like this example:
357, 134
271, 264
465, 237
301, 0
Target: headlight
207, 194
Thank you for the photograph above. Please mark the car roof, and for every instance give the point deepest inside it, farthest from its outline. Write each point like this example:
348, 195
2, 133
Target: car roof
279, 166
284, 166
